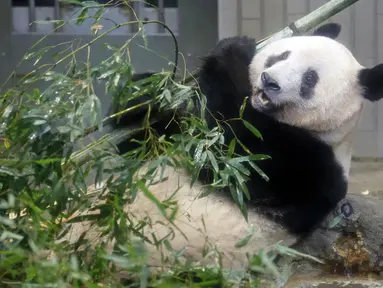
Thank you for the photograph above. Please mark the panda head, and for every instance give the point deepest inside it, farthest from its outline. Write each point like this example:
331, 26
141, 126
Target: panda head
312, 81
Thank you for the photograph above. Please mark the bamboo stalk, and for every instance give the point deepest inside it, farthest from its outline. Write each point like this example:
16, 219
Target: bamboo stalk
303, 25
311, 20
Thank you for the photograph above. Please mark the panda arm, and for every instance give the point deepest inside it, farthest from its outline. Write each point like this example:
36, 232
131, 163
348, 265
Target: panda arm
224, 76
306, 181
136, 116
307, 215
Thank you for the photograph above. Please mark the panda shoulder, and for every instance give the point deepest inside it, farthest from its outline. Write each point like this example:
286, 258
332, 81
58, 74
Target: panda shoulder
224, 72
228, 51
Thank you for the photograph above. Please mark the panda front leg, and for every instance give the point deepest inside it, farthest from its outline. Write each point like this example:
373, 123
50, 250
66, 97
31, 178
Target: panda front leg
304, 217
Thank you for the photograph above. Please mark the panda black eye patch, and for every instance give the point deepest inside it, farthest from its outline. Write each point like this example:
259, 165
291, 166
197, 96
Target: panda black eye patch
276, 58
308, 82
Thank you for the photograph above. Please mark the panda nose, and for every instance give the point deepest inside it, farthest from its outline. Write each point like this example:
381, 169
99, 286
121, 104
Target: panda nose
269, 83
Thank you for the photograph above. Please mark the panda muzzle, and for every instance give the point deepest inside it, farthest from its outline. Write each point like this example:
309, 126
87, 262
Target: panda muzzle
269, 83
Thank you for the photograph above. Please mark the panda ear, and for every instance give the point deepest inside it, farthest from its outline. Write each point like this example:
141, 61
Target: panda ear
371, 80
330, 30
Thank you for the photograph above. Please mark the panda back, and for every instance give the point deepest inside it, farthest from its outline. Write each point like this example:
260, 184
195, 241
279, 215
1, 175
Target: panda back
212, 223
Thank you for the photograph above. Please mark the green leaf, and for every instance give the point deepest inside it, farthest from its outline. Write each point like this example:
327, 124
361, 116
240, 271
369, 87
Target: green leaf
49, 21
111, 47
252, 129
9, 235
294, 253
84, 217
258, 157
108, 73
269, 264
83, 16
335, 221
232, 147
8, 222
98, 14
213, 161
100, 173
198, 152
253, 157
91, 3
47, 161
21, 163
76, 2
64, 129
39, 122
167, 95
243, 106
237, 165
245, 239
202, 159
259, 171
237, 196
116, 79
151, 197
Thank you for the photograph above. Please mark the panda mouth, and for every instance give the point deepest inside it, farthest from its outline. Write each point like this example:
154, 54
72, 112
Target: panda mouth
262, 97
262, 102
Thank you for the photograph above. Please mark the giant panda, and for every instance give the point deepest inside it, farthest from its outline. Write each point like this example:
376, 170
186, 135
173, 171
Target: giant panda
306, 96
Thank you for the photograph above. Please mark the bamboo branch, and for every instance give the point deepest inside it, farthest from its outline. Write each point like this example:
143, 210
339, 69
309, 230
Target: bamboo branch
308, 22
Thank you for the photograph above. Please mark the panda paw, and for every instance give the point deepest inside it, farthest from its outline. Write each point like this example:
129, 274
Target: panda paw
303, 221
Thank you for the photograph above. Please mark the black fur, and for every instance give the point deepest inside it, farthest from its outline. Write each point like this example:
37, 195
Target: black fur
136, 117
330, 30
309, 80
372, 82
306, 182
276, 58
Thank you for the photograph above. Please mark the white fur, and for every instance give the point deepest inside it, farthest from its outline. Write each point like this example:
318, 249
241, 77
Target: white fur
224, 225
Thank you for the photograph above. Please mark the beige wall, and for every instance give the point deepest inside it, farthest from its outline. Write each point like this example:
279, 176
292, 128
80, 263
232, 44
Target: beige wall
362, 33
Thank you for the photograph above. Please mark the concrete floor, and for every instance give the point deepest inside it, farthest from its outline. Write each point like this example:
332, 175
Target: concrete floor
366, 176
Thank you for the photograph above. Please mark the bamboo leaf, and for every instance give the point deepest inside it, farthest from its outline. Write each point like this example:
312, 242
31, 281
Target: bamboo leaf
243, 106
49, 21
252, 129
213, 160
245, 239
76, 2
231, 147
82, 17
151, 197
